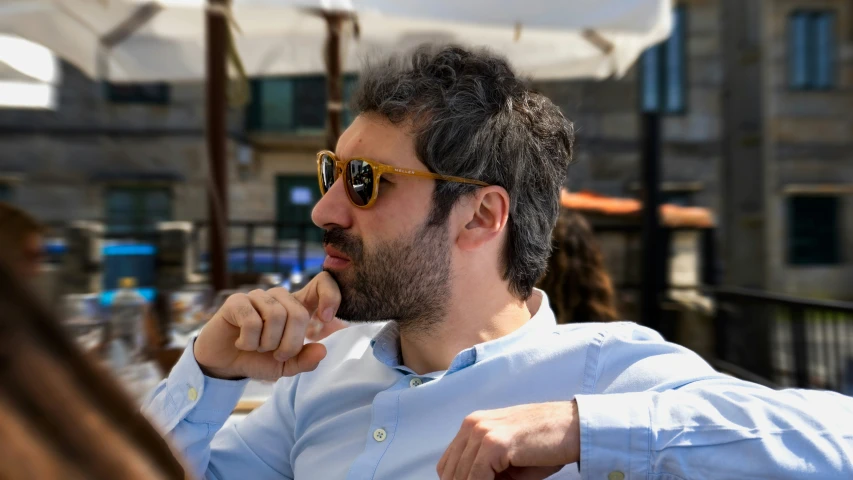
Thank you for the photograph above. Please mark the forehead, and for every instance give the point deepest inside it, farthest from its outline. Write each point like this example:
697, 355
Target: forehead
375, 138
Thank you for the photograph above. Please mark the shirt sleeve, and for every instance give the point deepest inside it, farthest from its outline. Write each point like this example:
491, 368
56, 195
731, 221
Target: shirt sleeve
653, 409
191, 408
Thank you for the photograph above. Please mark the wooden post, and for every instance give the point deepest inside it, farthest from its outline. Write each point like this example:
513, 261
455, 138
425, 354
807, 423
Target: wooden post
217, 78
334, 81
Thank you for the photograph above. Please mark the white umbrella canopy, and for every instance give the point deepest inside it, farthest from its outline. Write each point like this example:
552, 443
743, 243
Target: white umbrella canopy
140, 41
29, 74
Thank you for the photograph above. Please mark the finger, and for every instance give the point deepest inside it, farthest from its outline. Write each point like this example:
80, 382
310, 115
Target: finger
442, 462
307, 360
466, 459
490, 459
293, 337
481, 466
239, 312
454, 451
322, 330
321, 295
315, 329
274, 316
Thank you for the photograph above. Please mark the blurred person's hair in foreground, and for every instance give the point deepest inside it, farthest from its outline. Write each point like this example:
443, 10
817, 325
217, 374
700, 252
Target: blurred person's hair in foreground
20, 240
577, 282
61, 416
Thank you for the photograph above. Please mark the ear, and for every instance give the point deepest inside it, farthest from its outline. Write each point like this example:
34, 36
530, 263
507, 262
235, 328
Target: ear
487, 214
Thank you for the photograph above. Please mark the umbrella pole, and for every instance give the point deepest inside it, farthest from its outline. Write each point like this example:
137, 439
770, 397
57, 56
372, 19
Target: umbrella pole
654, 262
334, 82
216, 144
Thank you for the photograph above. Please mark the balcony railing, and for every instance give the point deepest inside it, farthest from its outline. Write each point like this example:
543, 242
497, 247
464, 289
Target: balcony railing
788, 341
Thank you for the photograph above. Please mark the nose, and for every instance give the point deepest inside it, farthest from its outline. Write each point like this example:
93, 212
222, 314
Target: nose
334, 209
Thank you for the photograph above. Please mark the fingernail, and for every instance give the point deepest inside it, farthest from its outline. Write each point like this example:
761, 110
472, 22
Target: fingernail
328, 314
279, 357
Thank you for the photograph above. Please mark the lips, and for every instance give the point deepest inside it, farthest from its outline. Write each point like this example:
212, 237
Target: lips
335, 260
334, 252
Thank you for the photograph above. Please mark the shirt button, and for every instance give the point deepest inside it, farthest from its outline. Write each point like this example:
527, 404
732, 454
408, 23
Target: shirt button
192, 394
616, 476
416, 382
379, 435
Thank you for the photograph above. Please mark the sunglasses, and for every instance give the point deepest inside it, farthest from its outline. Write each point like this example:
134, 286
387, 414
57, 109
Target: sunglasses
361, 177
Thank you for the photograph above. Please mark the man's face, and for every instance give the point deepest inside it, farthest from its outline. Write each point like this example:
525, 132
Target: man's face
387, 262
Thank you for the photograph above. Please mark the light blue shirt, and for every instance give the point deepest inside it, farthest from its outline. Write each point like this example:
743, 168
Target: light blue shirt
648, 409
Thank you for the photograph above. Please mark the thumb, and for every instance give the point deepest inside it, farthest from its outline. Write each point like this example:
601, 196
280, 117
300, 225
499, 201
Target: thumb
322, 295
305, 361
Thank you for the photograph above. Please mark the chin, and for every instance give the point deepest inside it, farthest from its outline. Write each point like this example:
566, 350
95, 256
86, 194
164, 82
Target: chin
341, 277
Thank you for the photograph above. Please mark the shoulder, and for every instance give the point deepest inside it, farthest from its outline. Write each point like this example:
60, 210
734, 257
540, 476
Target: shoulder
601, 332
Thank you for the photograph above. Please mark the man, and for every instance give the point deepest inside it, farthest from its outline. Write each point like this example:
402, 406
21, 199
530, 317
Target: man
438, 207
20, 241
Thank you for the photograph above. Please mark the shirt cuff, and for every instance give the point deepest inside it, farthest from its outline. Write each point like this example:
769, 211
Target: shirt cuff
615, 435
199, 398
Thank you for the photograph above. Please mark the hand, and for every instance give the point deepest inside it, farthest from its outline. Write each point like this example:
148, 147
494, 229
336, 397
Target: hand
525, 442
261, 335
318, 329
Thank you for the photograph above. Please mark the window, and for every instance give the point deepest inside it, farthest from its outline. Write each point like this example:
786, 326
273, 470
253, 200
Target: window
663, 71
152, 93
813, 230
811, 50
681, 198
137, 208
293, 104
296, 196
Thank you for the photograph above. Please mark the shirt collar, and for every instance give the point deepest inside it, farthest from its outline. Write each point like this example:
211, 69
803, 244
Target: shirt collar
386, 343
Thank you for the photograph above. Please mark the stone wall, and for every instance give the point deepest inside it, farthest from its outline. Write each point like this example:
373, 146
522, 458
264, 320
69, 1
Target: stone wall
59, 163
809, 141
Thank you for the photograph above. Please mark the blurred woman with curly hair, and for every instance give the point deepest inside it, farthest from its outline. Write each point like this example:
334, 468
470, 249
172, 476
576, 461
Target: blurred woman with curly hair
577, 283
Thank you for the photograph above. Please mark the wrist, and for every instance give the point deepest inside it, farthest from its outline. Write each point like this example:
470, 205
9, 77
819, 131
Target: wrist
572, 443
218, 373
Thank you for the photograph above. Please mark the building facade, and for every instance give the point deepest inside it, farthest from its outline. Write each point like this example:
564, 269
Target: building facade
755, 97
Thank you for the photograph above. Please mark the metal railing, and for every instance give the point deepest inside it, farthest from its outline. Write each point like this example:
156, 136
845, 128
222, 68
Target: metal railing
264, 246
789, 341
707, 264
255, 247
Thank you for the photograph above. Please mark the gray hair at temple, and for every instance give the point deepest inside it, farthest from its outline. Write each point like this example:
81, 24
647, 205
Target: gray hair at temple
473, 117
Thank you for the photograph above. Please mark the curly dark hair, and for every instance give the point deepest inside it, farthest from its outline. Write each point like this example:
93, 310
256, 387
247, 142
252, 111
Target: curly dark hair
577, 283
473, 117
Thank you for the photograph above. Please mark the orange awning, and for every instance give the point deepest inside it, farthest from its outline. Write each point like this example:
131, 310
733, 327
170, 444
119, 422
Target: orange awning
671, 215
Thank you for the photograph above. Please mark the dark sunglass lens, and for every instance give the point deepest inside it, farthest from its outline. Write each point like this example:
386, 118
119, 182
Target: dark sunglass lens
327, 172
359, 181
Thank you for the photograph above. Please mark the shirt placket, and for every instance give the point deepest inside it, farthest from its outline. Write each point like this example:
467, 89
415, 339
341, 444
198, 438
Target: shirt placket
380, 433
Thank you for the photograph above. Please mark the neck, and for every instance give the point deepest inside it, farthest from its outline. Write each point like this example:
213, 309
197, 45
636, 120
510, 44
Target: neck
470, 318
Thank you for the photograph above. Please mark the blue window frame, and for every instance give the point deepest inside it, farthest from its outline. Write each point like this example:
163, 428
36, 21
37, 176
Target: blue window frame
812, 50
663, 70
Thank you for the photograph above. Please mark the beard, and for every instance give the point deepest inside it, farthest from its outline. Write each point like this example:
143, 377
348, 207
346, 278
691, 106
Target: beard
406, 279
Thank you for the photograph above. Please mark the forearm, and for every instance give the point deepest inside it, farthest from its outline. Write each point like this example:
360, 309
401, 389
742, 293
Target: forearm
714, 428
190, 408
